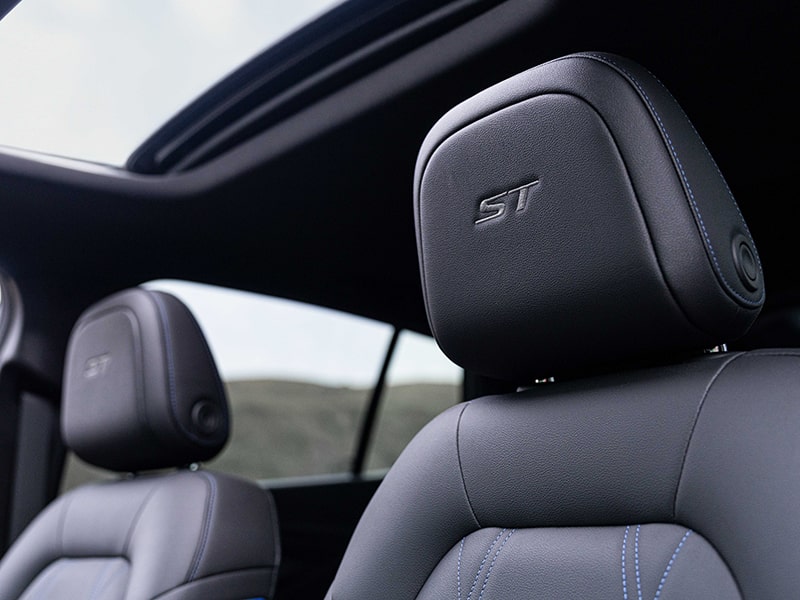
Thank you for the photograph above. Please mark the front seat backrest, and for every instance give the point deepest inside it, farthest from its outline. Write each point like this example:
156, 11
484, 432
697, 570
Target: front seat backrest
142, 392
572, 225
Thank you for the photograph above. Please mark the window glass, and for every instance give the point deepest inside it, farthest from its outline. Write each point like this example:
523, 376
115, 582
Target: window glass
297, 376
92, 79
421, 383
298, 379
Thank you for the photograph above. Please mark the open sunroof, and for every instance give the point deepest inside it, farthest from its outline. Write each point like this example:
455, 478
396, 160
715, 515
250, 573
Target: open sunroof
92, 79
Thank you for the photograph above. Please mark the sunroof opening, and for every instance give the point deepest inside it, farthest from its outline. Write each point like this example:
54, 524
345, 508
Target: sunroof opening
92, 79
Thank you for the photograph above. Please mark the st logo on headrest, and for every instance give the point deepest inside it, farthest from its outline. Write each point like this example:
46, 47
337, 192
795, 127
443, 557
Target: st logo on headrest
96, 366
495, 207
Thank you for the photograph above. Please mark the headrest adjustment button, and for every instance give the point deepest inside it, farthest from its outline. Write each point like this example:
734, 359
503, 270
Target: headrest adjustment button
206, 417
744, 259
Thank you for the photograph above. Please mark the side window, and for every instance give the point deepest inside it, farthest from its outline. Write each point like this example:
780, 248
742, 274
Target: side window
300, 379
421, 382
297, 377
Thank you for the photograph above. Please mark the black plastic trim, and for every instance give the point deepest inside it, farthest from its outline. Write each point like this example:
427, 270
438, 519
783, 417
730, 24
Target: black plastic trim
6, 6
341, 46
368, 424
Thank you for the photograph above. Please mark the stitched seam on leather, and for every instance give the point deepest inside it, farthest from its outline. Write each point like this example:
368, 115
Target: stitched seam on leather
494, 560
47, 583
461, 468
672, 294
420, 245
693, 201
173, 401
716, 166
624, 575
700, 405
100, 581
458, 567
671, 563
212, 492
173, 394
685, 179
104, 579
135, 520
636, 563
456, 128
483, 562
752, 353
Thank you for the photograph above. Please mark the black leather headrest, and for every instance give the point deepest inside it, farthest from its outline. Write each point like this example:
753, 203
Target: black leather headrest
570, 218
141, 389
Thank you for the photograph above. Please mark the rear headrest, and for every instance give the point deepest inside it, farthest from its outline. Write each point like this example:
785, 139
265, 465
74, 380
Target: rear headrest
141, 390
571, 219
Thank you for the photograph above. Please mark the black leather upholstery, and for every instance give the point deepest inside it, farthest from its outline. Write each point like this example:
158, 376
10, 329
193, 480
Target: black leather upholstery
626, 226
142, 392
187, 535
675, 481
699, 445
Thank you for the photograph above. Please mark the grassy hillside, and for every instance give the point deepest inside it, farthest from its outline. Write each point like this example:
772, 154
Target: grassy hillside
289, 428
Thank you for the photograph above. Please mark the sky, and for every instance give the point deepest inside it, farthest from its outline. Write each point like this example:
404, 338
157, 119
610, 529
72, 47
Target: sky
92, 79
255, 336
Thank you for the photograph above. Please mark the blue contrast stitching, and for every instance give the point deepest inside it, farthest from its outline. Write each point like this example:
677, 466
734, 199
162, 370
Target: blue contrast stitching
170, 362
684, 178
713, 162
483, 562
671, 562
636, 562
206, 526
624, 577
105, 578
458, 570
100, 581
47, 582
494, 560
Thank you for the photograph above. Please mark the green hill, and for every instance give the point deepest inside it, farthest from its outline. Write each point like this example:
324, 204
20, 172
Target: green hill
290, 428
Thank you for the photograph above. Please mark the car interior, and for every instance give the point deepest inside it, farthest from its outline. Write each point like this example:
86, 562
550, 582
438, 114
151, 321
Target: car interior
141, 395
580, 212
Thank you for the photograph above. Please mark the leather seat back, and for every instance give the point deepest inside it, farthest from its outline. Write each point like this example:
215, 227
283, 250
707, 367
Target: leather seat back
577, 239
142, 393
